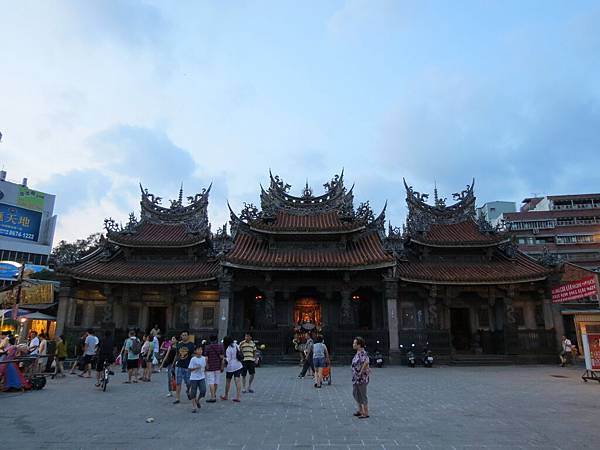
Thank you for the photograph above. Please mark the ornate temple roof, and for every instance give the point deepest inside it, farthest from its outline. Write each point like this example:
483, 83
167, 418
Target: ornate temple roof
179, 225
103, 266
455, 225
366, 252
355, 236
501, 269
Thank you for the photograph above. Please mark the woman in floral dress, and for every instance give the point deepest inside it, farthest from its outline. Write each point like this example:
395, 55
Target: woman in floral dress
360, 378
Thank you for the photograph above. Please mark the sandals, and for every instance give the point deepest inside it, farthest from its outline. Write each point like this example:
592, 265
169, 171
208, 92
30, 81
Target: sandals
223, 397
357, 414
363, 417
237, 400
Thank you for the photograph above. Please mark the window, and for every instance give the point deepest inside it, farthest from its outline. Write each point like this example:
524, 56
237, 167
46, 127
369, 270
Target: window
539, 316
407, 317
208, 317
78, 319
133, 315
98, 315
484, 316
519, 317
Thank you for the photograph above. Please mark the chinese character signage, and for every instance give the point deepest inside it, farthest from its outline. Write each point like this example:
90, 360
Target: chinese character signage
575, 290
19, 223
594, 343
31, 294
30, 199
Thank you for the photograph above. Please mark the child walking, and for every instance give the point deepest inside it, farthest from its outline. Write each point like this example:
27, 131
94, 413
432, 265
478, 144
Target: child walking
197, 378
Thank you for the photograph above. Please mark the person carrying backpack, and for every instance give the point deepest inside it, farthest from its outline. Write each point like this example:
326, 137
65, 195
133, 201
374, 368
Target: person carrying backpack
133, 347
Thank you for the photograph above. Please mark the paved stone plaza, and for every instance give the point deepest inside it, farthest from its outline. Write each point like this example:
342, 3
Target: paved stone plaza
440, 408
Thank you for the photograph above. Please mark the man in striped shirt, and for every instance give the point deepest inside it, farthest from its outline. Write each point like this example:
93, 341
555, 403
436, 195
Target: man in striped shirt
248, 349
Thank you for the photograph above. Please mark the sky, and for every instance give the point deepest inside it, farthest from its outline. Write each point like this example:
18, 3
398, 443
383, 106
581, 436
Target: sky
96, 97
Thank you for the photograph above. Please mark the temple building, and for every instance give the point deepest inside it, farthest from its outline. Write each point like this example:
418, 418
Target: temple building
160, 270
463, 285
316, 261
310, 261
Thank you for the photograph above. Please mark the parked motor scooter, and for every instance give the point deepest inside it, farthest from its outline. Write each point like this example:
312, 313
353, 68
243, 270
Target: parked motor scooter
427, 357
410, 355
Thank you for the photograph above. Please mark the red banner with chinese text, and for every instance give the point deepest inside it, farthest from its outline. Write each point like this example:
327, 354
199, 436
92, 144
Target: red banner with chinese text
575, 290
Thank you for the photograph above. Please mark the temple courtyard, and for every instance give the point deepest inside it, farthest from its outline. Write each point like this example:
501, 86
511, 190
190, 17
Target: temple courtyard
526, 407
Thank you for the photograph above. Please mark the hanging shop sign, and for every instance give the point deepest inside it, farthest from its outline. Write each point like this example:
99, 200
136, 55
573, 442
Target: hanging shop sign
19, 223
586, 287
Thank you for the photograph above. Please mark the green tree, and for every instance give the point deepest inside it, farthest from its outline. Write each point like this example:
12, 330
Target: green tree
67, 252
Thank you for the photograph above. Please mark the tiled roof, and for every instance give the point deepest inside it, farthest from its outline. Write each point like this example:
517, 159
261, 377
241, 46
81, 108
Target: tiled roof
367, 251
463, 234
500, 269
120, 270
324, 222
157, 235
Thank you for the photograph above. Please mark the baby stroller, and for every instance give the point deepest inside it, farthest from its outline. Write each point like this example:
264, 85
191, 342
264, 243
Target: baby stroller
327, 374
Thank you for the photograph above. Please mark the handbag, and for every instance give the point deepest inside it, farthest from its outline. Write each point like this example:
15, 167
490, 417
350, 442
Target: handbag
154, 361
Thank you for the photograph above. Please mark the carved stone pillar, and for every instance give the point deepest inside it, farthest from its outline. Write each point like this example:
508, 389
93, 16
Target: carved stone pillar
183, 303
108, 320
269, 308
391, 300
225, 284
511, 336
432, 319
66, 303
346, 310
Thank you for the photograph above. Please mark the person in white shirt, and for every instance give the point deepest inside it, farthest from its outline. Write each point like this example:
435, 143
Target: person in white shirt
155, 350
34, 344
89, 353
197, 369
233, 368
565, 352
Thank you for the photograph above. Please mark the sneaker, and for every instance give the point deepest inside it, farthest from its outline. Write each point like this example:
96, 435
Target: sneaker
251, 391
244, 391
169, 394
194, 411
175, 402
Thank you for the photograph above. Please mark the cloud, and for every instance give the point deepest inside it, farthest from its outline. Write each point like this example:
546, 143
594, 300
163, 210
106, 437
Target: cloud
514, 143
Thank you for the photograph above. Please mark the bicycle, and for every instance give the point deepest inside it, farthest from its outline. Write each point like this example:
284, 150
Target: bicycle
106, 373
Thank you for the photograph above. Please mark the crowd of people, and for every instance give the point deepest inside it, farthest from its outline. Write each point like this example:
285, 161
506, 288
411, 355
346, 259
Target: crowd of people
196, 364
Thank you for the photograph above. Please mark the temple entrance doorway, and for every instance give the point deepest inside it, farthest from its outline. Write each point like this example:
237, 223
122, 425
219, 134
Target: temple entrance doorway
460, 329
157, 315
307, 312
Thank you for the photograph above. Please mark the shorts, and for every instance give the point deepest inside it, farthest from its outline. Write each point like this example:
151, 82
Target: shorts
236, 374
359, 392
88, 359
132, 364
197, 389
100, 361
213, 377
248, 366
182, 375
319, 362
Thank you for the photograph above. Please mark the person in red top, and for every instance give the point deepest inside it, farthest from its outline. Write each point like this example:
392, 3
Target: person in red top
214, 366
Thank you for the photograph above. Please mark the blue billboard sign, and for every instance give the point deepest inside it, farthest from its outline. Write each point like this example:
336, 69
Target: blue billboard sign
19, 223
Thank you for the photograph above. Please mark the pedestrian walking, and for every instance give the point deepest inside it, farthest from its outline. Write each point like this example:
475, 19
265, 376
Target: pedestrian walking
78, 362
155, 352
215, 363
185, 350
320, 359
42, 360
308, 356
360, 378
105, 353
233, 368
146, 357
89, 353
248, 349
167, 363
566, 348
133, 347
197, 369
34, 344
60, 354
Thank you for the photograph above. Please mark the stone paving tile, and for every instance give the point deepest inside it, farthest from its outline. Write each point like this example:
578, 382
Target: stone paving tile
443, 408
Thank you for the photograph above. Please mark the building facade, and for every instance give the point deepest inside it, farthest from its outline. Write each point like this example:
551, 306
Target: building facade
27, 223
320, 262
565, 225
